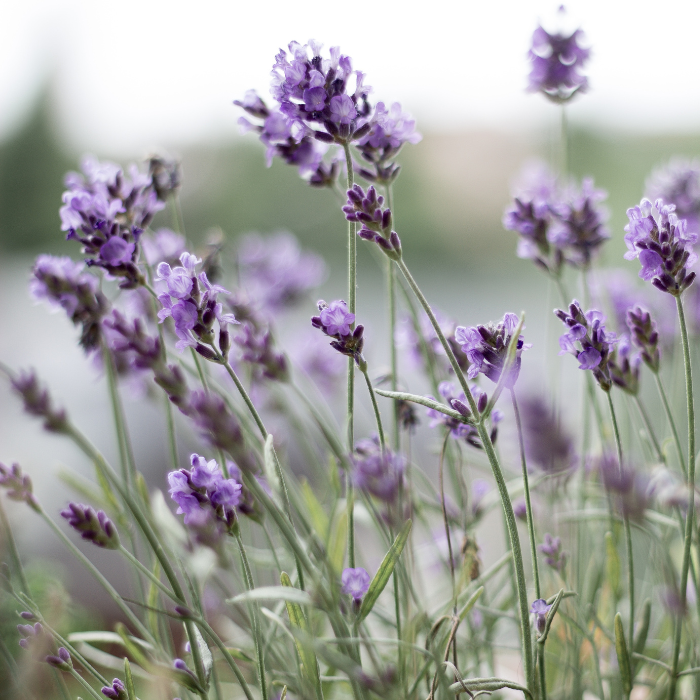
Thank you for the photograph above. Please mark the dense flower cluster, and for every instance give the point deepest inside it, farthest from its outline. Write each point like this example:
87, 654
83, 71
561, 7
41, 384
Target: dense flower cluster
31, 634
624, 366
486, 348
204, 497
556, 224
37, 402
336, 322
367, 209
19, 486
553, 554
116, 691
557, 61
663, 244
628, 489
645, 336
93, 526
378, 471
107, 212
588, 341
191, 301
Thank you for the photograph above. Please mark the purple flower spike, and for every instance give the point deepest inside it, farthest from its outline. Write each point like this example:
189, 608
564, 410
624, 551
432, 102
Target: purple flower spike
557, 60
62, 661
205, 498
588, 341
628, 489
95, 527
355, 583
336, 322
376, 471
366, 209
554, 556
678, 182
645, 336
37, 402
30, 634
540, 609
116, 691
486, 348
18, 485
663, 244
64, 284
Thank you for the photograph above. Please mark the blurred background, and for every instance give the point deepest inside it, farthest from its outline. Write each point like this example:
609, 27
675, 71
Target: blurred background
124, 80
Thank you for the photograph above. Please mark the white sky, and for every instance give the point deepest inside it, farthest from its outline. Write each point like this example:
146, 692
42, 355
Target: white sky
138, 74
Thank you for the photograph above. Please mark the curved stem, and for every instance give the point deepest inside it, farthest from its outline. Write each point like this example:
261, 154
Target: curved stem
511, 524
628, 531
650, 429
377, 415
691, 493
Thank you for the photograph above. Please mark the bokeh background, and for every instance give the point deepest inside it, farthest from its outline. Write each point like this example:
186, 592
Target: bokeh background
123, 80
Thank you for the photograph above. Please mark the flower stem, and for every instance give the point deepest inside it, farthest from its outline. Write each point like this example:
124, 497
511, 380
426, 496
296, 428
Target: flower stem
650, 430
391, 284
352, 304
691, 495
511, 524
671, 421
377, 415
628, 531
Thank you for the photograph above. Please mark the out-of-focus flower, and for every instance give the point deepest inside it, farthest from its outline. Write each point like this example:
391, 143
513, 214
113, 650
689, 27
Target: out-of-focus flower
93, 526
663, 244
554, 556
355, 583
378, 471
19, 486
557, 61
116, 691
679, 182
64, 284
540, 609
624, 366
163, 245
37, 402
628, 488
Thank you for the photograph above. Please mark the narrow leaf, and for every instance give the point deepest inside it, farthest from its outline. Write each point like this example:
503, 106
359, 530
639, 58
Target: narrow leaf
270, 466
470, 603
129, 681
298, 620
317, 515
337, 542
274, 593
612, 562
487, 684
640, 639
550, 617
381, 578
623, 659
205, 652
423, 401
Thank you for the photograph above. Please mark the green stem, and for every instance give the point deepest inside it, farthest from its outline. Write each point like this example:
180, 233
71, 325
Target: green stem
691, 494
352, 304
377, 415
650, 429
150, 575
671, 421
86, 685
391, 284
500, 482
628, 531
250, 585
14, 552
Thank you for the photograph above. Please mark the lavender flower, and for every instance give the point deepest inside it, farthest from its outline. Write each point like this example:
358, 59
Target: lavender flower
30, 634
107, 212
588, 341
95, 527
191, 301
547, 444
257, 348
165, 245
486, 348
37, 402
628, 489
61, 661
275, 272
554, 556
185, 676
336, 322
355, 583
557, 60
679, 182
663, 245
556, 224
378, 471
624, 366
540, 609
19, 486
366, 209
390, 129
203, 495
520, 509
645, 336
64, 284
116, 691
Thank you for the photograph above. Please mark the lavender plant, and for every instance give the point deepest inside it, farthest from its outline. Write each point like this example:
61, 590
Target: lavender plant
300, 555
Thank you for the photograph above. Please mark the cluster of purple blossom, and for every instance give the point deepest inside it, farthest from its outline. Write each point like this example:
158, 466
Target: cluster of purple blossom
378, 470
323, 101
207, 500
557, 224
335, 321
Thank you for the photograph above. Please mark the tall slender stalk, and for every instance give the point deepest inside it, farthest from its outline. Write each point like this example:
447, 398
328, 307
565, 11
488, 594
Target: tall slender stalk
377, 414
391, 289
691, 495
671, 422
352, 305
511, 524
